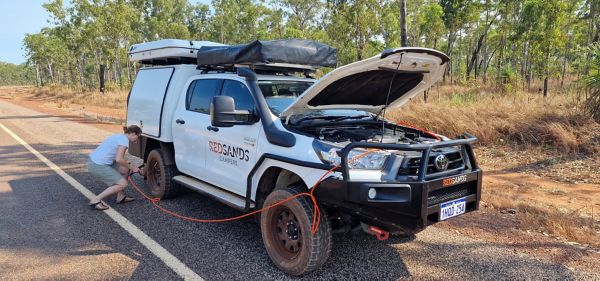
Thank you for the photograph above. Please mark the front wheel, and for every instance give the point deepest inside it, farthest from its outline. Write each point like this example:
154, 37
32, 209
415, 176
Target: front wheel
159, 176
286, 233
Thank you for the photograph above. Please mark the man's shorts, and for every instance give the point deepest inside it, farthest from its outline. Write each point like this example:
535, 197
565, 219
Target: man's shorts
109, 174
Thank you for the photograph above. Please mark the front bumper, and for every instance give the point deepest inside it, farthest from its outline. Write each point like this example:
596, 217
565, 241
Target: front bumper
404, 206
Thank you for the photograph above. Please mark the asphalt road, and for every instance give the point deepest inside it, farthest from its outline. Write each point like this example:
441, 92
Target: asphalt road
47, 231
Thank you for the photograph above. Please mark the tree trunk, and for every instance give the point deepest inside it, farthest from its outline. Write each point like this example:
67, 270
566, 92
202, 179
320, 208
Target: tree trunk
101, 74
459, 55
474, 55
129, 73
448, 70
50, 72
80, 67
564, 67
38, 78
525, 65
546, 72
500, 59
114, 69
359, 39
403, 36
487, 65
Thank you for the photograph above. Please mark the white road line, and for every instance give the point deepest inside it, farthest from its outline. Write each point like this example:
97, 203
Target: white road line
169, 259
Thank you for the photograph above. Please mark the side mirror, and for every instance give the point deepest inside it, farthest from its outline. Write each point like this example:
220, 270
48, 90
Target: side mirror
223, 113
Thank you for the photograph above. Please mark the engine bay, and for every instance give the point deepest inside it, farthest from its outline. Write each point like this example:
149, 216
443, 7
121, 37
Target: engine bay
366, 131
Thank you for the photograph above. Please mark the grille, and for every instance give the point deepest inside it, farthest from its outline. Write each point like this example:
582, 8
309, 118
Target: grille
450, 193
455, 161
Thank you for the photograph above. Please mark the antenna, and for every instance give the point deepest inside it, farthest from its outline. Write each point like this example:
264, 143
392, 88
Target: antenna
387, 99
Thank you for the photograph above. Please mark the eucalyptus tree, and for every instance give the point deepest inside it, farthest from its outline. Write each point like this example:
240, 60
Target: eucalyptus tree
236, 21
354, 27
301, 14
429, 24
457, 15
542, 26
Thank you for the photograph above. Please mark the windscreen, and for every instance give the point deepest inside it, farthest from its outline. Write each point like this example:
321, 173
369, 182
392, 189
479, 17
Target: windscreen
280, 94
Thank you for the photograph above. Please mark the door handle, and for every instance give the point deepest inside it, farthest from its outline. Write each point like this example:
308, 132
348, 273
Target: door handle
180, 121
211, 128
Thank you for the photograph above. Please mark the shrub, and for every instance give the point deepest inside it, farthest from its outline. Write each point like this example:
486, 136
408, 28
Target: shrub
592, 84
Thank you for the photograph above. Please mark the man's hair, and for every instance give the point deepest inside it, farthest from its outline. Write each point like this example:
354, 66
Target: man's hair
132, 129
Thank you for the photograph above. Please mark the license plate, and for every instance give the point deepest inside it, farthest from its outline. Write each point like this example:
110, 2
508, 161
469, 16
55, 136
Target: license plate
452, 208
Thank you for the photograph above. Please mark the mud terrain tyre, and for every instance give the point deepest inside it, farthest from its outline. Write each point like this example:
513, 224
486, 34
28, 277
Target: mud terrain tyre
159, 176
286, 233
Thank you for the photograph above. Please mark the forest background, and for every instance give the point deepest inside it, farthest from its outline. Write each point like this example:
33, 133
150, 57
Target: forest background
506, 43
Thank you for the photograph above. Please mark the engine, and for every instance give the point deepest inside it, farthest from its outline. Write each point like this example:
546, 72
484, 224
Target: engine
345, 133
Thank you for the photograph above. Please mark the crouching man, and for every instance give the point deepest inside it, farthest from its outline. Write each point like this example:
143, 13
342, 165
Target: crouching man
107, 163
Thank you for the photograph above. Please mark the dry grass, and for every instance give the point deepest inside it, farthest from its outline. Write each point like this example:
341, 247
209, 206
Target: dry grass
578, 225
497, 119
64, 97
569, 225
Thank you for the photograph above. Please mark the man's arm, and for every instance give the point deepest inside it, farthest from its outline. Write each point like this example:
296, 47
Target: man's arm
120, 159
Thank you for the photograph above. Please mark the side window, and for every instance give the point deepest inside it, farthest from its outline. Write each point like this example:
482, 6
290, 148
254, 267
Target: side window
200, 94
239, 92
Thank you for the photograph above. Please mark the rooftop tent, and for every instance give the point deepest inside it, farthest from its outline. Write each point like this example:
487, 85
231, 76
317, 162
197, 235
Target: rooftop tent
167, 51
294, 53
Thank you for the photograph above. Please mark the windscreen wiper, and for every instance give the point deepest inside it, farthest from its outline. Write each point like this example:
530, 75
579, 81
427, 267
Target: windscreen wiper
315, 117
332, 118
341, 118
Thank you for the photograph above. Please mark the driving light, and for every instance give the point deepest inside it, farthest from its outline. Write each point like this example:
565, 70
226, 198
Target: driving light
372, 193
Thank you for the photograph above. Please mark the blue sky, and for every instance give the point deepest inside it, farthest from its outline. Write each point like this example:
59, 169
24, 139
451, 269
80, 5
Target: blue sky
19, 18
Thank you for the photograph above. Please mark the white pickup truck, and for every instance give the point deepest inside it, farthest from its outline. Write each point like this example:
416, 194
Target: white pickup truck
233, 122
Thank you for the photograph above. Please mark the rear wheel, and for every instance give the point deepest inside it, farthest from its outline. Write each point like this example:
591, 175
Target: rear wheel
159, 176
286, 233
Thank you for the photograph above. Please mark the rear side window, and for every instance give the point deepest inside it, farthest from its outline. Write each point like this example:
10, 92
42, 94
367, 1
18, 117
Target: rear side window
239, 92
200, 95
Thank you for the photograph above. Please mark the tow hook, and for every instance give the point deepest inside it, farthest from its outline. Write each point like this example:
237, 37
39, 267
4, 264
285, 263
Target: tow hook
379, 233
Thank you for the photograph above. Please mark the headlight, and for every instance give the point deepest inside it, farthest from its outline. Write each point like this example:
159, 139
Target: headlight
329, 156
356, 160
362, 159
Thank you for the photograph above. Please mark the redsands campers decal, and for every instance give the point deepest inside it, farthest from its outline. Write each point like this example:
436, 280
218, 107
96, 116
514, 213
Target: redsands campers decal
454, 180
229, 153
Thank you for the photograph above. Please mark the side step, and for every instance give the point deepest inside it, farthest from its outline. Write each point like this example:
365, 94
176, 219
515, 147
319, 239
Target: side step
226, 197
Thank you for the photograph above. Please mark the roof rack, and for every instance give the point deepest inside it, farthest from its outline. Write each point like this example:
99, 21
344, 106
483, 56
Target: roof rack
272, 68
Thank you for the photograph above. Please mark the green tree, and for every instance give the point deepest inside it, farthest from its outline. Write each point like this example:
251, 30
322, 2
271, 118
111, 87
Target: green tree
457, 15
12, 74
542, 26
430, 24
353, 27
592, 83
